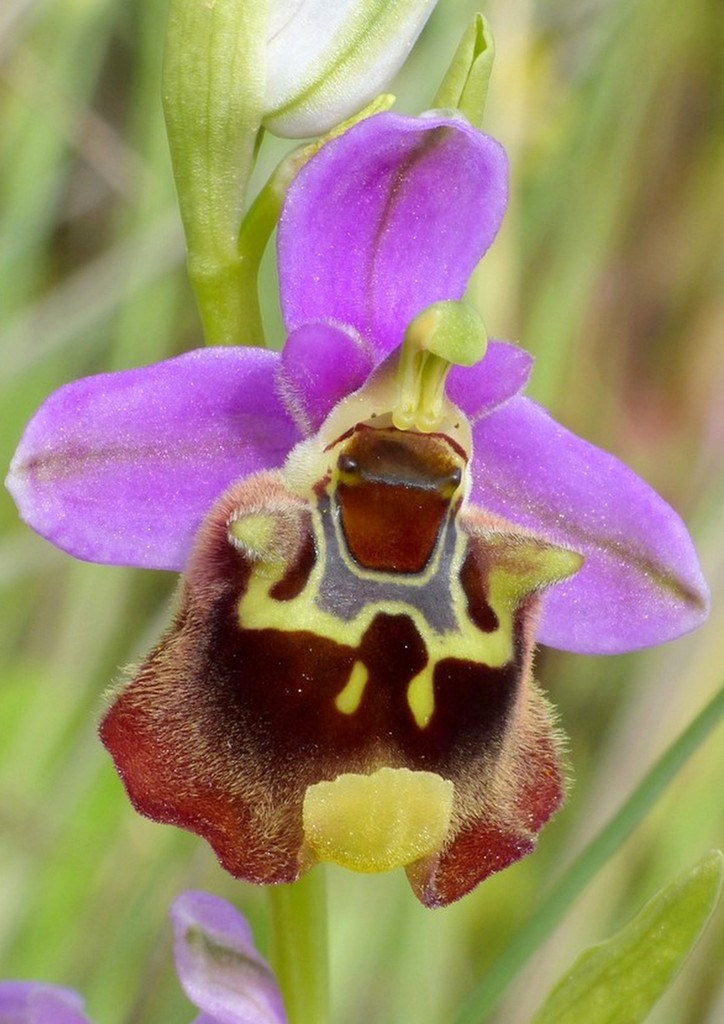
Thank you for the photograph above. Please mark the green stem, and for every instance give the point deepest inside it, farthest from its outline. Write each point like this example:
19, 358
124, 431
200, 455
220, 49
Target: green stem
588, 863
213, 91
227, 287
299, 952
227, 299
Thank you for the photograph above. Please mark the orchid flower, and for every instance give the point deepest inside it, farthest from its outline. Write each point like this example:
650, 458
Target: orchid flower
372, 540
216, 962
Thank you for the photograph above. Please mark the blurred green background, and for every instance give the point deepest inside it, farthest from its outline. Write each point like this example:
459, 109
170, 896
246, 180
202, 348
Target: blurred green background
609, 269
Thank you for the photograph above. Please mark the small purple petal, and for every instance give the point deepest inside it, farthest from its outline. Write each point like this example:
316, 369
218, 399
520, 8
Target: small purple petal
122, 467
641, 583
320, 364
387, 219
33, 1002
502, 373
218, 966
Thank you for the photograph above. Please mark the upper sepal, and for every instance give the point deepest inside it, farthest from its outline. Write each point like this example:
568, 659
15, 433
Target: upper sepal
386, 220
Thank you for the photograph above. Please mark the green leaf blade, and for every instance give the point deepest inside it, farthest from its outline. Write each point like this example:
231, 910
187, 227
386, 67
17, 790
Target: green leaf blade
620, 980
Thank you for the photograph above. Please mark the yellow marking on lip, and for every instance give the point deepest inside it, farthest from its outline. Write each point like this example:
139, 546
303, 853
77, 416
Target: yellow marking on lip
349, 699
255, 534
258, 537
520, 565
257, 611
421, 696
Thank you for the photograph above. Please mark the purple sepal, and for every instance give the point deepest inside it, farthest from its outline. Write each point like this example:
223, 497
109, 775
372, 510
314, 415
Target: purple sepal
122, 467
641, 583
218, 966
387, 219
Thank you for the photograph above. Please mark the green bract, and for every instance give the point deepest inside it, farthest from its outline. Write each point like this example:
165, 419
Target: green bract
465, 86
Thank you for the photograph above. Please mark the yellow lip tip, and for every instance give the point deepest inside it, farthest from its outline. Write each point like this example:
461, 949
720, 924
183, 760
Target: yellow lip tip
377, 822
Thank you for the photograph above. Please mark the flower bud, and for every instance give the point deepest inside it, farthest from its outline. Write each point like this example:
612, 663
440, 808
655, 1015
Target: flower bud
328, 58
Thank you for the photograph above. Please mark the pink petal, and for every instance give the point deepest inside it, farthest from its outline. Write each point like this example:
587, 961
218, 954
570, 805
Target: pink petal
320, 364
502, 373
34, 1002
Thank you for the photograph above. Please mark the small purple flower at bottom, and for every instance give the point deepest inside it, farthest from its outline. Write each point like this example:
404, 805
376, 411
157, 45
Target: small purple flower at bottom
33, 1002
216, 962
218, 966
371, 546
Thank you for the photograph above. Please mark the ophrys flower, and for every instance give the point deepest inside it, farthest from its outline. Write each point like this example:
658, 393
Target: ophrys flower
367, 555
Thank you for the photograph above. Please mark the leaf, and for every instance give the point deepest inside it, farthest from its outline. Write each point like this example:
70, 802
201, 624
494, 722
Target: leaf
620, 980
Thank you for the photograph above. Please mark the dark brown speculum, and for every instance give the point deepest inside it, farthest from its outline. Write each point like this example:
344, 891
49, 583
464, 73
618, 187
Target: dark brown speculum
393, 493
